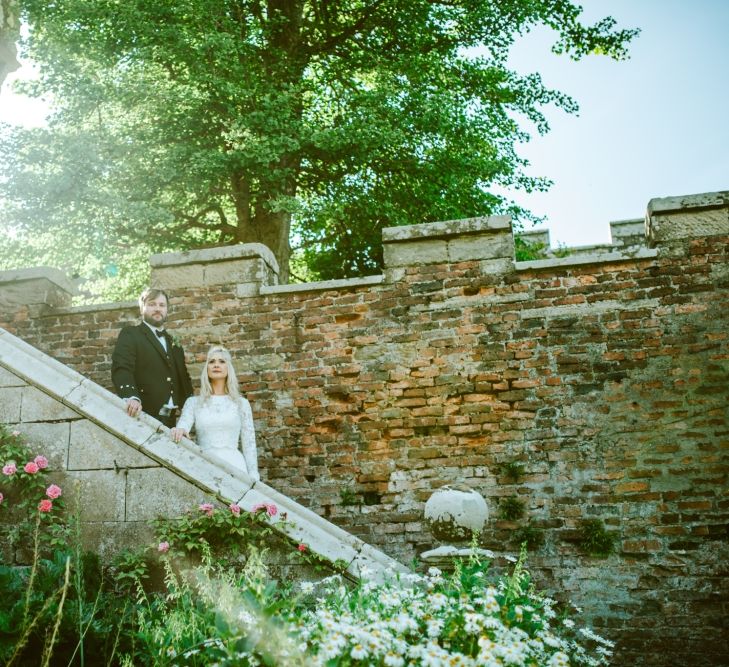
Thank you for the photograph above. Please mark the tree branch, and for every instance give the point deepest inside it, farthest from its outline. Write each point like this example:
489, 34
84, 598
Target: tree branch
347, 33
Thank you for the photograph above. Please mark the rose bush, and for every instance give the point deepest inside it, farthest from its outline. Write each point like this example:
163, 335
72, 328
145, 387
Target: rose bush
26, 491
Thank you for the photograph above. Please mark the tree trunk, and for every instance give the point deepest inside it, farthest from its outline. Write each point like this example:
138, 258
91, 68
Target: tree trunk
9, 33
284, 67
272, 230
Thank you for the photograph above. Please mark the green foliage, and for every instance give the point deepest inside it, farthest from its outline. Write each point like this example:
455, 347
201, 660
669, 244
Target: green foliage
180, 125
562, 251
512, 470
215, 616
50, 604
595, 540
525, 251
130, 569
530, 536
348, 497
212, 615
227, 533
511, 508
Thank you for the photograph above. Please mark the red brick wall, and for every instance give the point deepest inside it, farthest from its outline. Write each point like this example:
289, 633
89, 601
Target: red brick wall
608, 382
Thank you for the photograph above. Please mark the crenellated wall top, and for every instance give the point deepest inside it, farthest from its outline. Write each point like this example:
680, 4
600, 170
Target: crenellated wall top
251, 269
688, 216
38, 289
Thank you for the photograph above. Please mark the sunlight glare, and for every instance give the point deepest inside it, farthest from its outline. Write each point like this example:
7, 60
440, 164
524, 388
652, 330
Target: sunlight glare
18, 109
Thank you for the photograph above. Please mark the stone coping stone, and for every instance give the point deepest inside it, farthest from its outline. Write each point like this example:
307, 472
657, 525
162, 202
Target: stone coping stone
492, 223
703, 200
346, 283
96, 307
581, 259
626, 229
217, 254
536, 235
186, 460
596, 249
620, 225
52, 275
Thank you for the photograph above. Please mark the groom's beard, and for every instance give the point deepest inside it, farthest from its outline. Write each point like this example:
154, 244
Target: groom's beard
155, 323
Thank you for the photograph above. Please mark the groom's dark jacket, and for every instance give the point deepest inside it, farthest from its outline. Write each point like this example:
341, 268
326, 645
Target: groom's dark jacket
140, 367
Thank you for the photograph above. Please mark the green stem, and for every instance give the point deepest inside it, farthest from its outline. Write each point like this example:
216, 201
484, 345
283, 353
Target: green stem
33, 569
48, 651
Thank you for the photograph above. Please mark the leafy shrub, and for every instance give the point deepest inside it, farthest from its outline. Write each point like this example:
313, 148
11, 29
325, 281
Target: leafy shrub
218, 617
512, 470
595, 540
511, 508
348, 497
529, 535
525, 251
227, 534
27, 496
49, 603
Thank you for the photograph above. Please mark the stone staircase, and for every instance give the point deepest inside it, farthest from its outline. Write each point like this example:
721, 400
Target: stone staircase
130, 471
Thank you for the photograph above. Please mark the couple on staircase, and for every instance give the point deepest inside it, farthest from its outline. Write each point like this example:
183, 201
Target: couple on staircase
149, 372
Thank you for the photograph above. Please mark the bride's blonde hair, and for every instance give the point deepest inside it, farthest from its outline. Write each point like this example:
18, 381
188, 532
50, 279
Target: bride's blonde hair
231, 382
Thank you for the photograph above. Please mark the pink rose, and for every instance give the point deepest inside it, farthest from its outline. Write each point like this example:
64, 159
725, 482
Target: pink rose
9, 469
31, 468
301, 548
16, 433
270, 508
45, 505
163, 547
235, 509
207, 508
1, 497
53, 491
41, 461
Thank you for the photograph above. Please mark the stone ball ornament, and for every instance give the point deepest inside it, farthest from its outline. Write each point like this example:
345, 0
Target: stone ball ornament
453, 513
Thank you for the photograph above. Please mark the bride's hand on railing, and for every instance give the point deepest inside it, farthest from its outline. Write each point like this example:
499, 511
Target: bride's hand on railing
178, 433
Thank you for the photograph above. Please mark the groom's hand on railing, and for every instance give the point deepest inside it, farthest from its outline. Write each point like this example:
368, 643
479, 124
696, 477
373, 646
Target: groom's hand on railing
178, 433
134, 407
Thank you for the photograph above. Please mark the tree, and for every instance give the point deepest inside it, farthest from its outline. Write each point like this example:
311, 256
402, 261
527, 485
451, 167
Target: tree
8, 35
185, 123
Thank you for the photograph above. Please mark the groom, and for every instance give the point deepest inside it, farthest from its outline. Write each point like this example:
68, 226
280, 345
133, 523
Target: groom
147, 367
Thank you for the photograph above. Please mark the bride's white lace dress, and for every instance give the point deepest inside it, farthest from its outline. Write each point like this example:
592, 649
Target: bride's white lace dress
224, 429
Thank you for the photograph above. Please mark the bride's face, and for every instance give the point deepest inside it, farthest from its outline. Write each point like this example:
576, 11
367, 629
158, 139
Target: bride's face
217, 368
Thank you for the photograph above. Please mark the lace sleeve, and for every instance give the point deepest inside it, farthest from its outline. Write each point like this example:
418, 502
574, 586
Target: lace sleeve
248, 438
187, 418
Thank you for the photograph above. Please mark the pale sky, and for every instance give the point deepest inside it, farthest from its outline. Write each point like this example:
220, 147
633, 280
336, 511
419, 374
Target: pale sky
652, 126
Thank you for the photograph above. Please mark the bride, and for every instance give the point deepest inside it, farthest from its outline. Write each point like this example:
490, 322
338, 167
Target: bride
222, 418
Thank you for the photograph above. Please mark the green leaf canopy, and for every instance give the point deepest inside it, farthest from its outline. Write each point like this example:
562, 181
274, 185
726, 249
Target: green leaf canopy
313, 123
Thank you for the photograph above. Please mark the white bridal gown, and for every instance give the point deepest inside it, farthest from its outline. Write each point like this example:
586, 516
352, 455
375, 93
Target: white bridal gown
224, 429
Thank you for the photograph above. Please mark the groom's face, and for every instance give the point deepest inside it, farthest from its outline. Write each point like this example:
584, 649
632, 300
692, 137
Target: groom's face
155, 311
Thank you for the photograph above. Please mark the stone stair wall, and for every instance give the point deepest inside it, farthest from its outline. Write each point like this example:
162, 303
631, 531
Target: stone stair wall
124, 472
